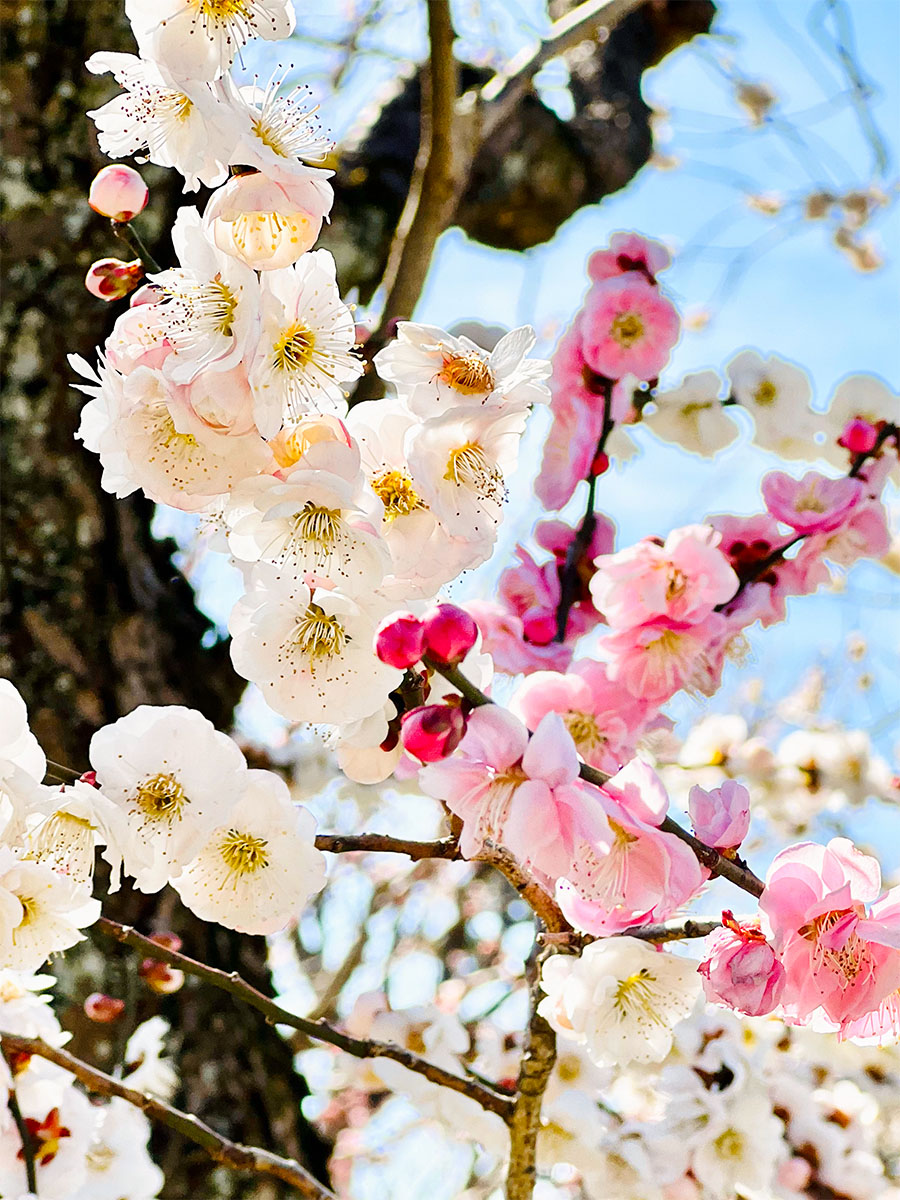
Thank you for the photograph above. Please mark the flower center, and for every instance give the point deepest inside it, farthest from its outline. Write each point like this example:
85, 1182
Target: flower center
468, 466
101, 1157
319, 636
199, 308
850, 960
243, 854
730, 1144
225, 10
161, 798
626, 329
676, 582
46, 1136
583, 728
68, 842
636, 995
396, 492
321, 526
468, 374
810, 501
293, 351
766, 394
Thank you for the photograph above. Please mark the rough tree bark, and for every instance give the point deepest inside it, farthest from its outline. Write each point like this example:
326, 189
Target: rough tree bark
95, 619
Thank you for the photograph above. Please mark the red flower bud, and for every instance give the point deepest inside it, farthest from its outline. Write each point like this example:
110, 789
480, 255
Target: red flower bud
433, 731
859, 436
102, 1008
450, 633
400, 640
111, 279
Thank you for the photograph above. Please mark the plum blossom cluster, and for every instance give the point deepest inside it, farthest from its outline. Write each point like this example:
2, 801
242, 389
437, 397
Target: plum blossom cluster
80, 1150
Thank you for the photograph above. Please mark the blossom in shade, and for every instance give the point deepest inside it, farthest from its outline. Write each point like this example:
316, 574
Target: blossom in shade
118, 1163
720, 817
68, 826
741, 969
629, 252
836, 935
174, 776
813, 504
621, 999
681, 580
192, 41
310, 651
257, 869
112, 279
436, 371
692, 415
59, 1119
41, 912
266, 224
304, 356
628, 328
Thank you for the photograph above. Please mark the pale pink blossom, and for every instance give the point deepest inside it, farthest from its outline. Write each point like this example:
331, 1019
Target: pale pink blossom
864, 534
636, 873
720, 817
813, 504
749, 543
628, 328
265, 223
741, 969
836, 935
577, 423
629, 252
681, 580
503, 638
654, 661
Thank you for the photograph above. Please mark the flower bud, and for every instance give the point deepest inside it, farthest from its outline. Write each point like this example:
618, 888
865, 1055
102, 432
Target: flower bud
111, 279
859, 436
102, 1008
400, 640
167, 939
721, 818
742, 970
450, 633
539, 626
118, 192
433, 731
160, 977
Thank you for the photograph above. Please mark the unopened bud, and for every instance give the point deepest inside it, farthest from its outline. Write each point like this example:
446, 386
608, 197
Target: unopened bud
859, 436
433, 731
539, 626
600, 465
400, 640
160, 977
111, 279
102, 1008
118, 192
450, 633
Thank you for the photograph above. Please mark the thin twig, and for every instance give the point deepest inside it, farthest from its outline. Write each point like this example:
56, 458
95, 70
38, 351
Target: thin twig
664, 931
321, 1031
230, 1154
25, 1137
383, 843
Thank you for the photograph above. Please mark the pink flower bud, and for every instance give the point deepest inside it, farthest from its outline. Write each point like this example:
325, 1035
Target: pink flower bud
102, 1008
118, 192
794, 1174
400, 640
111, 279
433, 731
742, 970
539, 626
721, 818
450, 633
90, 778
859, 436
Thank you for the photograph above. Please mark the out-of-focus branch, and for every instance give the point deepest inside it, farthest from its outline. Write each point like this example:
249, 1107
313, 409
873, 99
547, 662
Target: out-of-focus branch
664, 931
230, 1154
538, 1059
321, 1031
383, 843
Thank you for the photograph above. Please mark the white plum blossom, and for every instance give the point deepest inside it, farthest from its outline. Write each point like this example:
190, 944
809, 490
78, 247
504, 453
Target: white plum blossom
25, 1010
256, 871
175, 777
60, 1120
71, 822
22, 764
304, 357
176, 126
620, 998
192, 40
265, 224
277, 132
742, 1148
147, 1067
435, 371
117, 1164
777, 394
692, 415
41, 912
459, 463
310, 651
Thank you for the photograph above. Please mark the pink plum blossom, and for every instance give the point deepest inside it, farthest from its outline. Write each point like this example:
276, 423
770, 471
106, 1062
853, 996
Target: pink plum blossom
265, 223
629, 252
836, 935
682, 580
503, 638
813, 504
864, 534
721, 817
577, 424
516, 792
637, 873
628, 328
741, 969
655, 660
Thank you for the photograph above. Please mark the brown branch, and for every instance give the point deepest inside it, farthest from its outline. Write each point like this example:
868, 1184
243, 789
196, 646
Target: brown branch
541, 902
538, 1059
664, 931
230, 1154
12, 1103
383, 843
489, 1098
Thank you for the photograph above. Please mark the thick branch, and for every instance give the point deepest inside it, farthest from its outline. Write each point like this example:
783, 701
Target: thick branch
538, 1059
231, 982
230, 1154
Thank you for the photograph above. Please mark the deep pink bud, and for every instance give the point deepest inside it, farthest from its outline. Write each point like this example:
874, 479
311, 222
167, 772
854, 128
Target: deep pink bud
721, 818
539, 626
433, 731
102, 1008
90, 778
450, 633
859, 436
118, 192
600, 465
400, 640
742, 969
111, 279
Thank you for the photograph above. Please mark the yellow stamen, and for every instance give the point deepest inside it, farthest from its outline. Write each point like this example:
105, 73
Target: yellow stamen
243, 853
467, 374
626, 329
161, 798
294, 349
396, 492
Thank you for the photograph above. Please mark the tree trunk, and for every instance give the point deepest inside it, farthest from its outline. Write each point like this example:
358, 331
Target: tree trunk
95, 618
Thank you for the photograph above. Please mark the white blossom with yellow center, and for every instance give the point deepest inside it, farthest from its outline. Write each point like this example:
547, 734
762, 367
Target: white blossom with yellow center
255, 872
41, 912
777, 394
